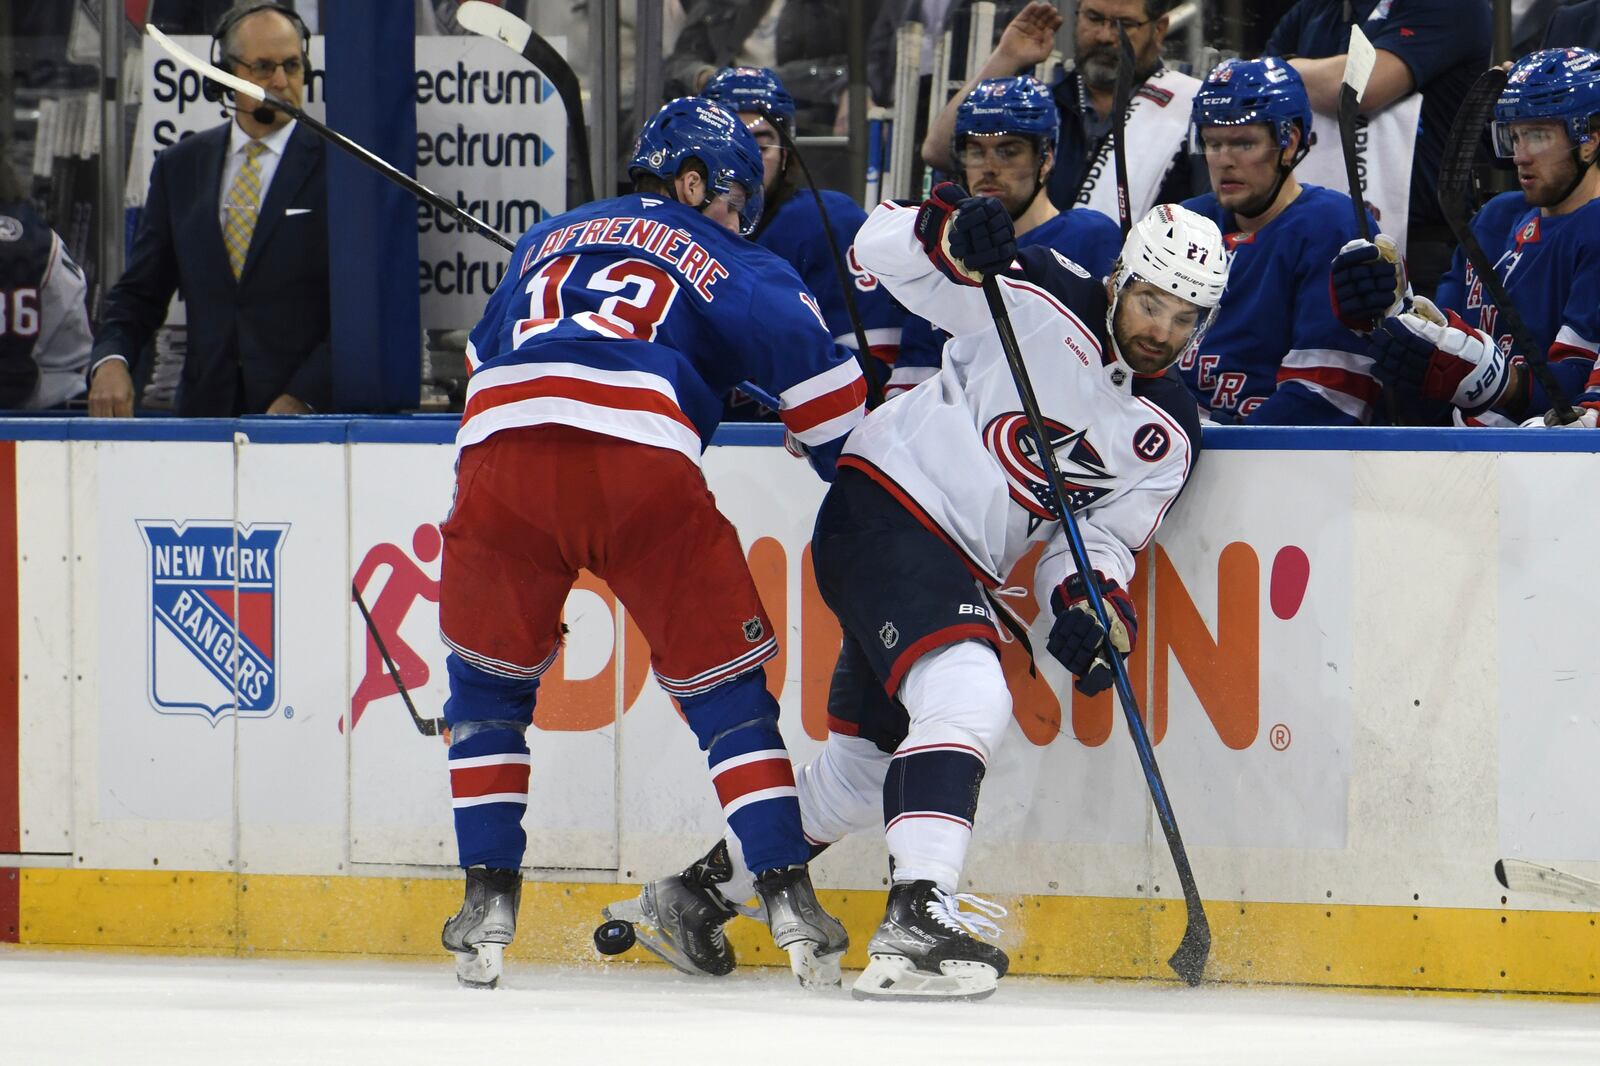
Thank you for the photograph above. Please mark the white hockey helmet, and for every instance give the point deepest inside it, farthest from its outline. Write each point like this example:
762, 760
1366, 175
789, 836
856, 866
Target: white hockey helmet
1180, 252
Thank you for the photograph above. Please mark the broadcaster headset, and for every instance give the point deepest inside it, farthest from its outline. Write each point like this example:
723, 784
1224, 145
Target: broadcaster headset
214, 92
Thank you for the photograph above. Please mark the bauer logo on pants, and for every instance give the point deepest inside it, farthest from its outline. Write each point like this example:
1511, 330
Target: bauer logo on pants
213, 624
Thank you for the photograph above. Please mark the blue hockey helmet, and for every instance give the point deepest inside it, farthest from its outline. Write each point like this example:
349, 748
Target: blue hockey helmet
752, 89
1244, 91
1021, 106
1555, 85
691, 128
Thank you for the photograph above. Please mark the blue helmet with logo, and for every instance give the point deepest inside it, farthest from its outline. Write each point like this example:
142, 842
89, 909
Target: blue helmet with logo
1557, 84
1021, 106
752, 89
691, 128
1240, 92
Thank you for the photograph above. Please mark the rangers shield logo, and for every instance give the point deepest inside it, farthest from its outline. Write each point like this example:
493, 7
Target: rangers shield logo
213, 624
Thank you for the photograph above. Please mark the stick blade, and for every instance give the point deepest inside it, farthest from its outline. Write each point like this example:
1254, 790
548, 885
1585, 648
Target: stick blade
1359, 61
1520, 876
489, 20
1189, 961
1455, 165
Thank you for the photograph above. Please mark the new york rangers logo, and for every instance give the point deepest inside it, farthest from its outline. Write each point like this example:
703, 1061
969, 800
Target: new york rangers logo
213, 626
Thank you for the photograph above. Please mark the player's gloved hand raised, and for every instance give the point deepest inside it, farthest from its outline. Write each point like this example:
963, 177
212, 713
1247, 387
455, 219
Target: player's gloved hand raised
1077, 639
1367, 283
966, 237
1442, 356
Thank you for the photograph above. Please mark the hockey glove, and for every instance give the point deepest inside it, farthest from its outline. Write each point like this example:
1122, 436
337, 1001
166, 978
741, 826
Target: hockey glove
966, 237
1588, 418
1077, 639
1367, 283
1442, 356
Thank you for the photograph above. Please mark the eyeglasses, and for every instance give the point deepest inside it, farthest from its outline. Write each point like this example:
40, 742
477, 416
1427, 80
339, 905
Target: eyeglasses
263, 69
1090, 17
1006, 153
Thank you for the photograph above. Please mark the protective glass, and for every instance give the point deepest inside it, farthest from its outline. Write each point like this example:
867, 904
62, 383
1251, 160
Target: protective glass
1536, 139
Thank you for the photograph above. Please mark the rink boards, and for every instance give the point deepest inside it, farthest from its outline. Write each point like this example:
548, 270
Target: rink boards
1365, 656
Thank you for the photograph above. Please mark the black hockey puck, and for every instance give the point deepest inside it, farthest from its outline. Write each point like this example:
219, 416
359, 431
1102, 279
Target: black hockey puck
614, 937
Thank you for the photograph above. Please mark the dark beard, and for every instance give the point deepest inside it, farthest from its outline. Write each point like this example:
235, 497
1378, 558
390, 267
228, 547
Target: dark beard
1098, 68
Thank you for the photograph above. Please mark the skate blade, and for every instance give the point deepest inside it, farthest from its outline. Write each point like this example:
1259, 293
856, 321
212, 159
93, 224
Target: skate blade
896, 977
480, 968
814, 972
647, 936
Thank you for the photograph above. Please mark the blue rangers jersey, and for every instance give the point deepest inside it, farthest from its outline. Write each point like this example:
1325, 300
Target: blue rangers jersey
794, 233
1550, 266
956, 451
1492, 225
1276, 355
1083, 235
634, 316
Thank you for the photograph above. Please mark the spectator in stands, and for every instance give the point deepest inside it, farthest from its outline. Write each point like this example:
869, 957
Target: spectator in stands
235, 219
1005, 141
44, 323
804, 43
1276, 354
1435, 47
1159, 167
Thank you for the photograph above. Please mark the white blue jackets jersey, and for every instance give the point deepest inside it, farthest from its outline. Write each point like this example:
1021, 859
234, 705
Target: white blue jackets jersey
1550, 266
634, 316
793, 232
44, 322
956, 451
1083, 235
1276, 355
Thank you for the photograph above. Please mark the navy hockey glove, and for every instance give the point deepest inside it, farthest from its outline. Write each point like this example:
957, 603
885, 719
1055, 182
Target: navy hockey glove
1077, 639
1367, 283
1441, 356
966, 237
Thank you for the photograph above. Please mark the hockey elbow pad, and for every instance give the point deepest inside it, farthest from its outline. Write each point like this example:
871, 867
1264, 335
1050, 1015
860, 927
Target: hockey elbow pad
1077, 639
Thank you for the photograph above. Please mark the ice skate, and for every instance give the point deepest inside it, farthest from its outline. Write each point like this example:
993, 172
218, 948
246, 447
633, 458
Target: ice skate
485, 925
813, 938
925, 948
679, 919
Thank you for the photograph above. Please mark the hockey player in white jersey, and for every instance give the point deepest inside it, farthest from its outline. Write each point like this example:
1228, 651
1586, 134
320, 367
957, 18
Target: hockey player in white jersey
940, 491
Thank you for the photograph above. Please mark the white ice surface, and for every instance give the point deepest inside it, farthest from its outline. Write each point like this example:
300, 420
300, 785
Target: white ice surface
82, 1008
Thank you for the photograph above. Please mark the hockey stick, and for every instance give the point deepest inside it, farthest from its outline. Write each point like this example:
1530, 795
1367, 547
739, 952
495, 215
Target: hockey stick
487, 20
1189, 960
428, 727
1358, 64
1455, 200
334, 137
1119, 127
1520, 876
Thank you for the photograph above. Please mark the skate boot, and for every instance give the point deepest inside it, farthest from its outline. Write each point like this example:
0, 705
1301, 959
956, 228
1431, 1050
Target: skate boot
813, 938
679, 919
481, 930
925, 948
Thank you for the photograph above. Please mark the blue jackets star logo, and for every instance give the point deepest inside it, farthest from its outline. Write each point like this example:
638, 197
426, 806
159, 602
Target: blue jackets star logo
1083, 472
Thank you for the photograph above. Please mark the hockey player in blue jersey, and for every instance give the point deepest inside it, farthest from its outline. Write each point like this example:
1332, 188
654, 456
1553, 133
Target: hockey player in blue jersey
792, 227
599, 368
1547, 122
1277, 354
1005, 144
940, 492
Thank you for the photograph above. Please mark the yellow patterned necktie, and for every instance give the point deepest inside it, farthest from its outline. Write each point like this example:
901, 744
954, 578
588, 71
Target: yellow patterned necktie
243, 205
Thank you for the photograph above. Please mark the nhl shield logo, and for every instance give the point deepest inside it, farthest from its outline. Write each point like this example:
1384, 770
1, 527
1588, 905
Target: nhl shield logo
889, 635
753, 629
213, 622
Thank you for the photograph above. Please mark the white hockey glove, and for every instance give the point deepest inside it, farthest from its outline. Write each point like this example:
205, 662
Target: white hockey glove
1442, 356
1367, 283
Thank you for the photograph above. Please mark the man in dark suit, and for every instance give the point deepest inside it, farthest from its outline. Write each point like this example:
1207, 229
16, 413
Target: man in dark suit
236, 219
